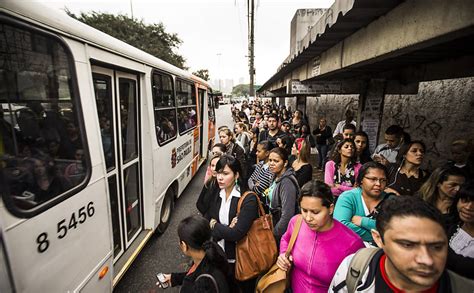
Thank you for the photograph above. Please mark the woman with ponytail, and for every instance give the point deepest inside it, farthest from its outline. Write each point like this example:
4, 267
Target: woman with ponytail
209, 267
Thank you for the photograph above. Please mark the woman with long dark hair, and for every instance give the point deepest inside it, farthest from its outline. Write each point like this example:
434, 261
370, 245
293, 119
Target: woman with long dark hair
227, 228
361, 140
461, 233
441, 188
341, 171
322, 241
209, 260
405, 177
283, 192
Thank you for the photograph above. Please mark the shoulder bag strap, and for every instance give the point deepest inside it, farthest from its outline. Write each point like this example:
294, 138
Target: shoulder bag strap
294, 234
261, 211
357, 267
212, 279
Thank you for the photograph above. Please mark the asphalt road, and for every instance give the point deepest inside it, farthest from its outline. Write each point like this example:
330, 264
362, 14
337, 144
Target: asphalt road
162, 253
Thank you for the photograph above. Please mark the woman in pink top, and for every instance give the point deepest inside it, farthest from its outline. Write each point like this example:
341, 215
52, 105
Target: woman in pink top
322, 242
341, 171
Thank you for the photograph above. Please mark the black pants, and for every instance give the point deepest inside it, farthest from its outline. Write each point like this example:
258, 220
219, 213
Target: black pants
247, 286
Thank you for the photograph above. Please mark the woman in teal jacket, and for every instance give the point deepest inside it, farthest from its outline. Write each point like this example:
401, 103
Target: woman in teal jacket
357, 208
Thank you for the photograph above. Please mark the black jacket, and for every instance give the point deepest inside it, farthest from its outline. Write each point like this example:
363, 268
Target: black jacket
206, 196
189, 284
248, 213
238, 152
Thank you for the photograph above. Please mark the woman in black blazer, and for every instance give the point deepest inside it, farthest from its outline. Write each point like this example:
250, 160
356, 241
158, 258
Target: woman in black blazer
227, 228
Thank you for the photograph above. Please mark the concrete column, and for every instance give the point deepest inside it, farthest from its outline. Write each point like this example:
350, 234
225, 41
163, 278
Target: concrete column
281, 101
369, 116
301, 103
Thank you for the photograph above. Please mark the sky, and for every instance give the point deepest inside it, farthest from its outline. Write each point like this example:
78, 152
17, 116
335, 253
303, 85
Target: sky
214, 32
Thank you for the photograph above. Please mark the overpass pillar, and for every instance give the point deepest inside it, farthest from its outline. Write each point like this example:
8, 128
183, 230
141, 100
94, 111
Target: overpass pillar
281, 101
370, 112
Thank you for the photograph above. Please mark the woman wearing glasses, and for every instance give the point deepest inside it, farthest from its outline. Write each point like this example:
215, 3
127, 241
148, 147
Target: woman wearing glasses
357, 208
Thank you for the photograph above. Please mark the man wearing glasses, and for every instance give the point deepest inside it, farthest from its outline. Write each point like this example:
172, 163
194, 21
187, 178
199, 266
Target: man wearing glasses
357, 208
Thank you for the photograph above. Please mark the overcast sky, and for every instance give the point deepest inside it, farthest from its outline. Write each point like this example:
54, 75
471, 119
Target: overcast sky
214, 32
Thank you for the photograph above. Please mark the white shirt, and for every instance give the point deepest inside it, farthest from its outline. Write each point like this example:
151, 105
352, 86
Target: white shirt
462, 243
225, 208
389, 153
341, 125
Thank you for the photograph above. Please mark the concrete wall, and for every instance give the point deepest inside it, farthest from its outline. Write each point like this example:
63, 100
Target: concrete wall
441, 112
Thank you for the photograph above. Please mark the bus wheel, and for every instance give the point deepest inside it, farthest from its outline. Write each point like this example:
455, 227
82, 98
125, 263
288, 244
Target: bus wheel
166, 211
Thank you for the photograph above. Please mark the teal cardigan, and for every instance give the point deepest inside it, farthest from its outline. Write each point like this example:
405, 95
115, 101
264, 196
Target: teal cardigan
349, 204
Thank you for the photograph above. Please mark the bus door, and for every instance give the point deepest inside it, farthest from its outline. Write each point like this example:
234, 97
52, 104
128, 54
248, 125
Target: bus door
202, 100
117, 102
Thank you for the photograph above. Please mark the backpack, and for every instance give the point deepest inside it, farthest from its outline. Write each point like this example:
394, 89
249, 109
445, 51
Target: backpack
364, 256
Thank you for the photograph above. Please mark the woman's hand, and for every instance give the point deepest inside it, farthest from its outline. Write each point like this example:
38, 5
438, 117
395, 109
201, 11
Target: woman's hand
357, 220
284, 263
233, 223
167, 280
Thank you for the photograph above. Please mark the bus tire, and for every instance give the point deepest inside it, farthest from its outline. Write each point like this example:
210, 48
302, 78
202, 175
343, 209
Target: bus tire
166, 210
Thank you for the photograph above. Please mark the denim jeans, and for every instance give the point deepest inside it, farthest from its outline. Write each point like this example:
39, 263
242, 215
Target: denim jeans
323, 151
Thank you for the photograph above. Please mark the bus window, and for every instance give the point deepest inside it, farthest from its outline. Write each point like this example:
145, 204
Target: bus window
103, 96
42, 153
186, 98
164, 108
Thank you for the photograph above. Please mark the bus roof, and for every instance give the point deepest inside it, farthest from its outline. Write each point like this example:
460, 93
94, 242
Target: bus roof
61, 23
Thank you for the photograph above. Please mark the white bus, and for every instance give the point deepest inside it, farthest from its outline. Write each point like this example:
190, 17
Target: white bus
97, 140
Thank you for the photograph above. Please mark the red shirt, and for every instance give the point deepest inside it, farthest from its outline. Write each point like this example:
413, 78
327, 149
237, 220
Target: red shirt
433, 289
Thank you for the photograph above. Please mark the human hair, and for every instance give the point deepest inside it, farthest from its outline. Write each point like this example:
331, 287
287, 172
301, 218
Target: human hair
365, 169
233, 164
211, 180
394, 130
303, 149
287, 142
365, 155
405, 148
466, 192
349, 126
242, 115
221, 146
196, 233
273, 115
336, 156
255, 131
281, 152
266, 145
318, 189
243, 126
405, 206
429, 190
229, 133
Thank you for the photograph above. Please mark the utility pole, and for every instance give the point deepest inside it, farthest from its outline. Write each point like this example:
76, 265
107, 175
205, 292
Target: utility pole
251, 21
131, 8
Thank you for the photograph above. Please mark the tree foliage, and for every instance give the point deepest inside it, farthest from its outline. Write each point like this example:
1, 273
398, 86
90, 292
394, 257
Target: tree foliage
243, 89
152, 39
202, 73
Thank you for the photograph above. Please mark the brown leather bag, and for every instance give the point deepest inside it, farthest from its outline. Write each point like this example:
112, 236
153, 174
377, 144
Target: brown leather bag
276, 279
257, 251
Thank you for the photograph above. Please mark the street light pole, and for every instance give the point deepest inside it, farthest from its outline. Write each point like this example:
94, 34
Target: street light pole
131, 8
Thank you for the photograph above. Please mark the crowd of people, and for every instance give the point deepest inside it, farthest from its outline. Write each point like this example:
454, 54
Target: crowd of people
376, 222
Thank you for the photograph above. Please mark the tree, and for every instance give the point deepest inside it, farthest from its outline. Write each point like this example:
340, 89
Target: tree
152, 39
202, 73
243, 89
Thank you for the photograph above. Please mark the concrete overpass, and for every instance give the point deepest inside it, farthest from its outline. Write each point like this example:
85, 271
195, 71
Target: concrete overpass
373, 48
